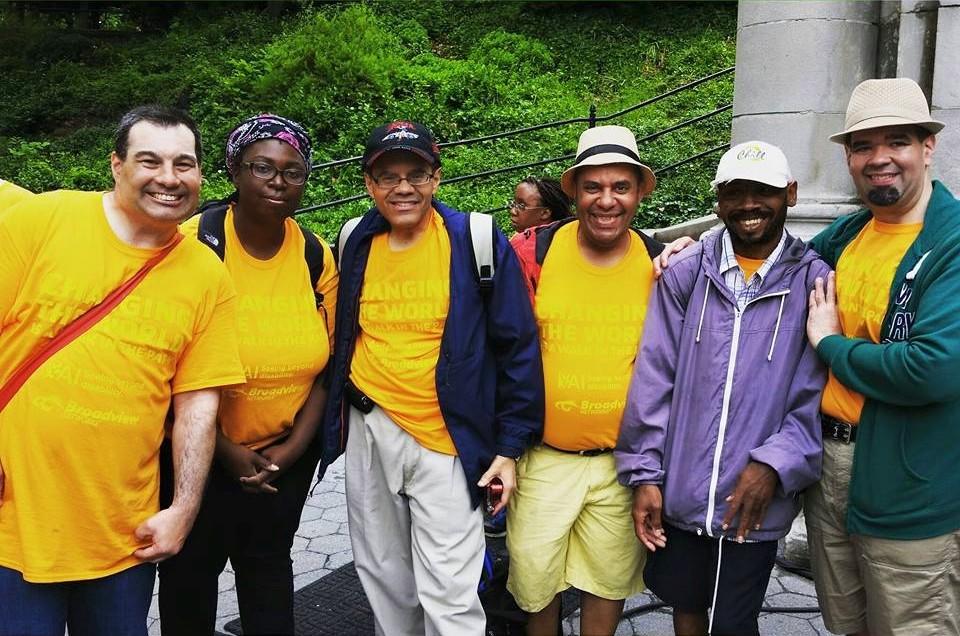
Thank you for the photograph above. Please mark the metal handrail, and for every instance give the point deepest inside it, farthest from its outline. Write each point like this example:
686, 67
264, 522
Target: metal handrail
592, 119
543, 162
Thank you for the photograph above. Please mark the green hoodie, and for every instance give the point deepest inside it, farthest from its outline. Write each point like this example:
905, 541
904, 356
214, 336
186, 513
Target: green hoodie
906, 470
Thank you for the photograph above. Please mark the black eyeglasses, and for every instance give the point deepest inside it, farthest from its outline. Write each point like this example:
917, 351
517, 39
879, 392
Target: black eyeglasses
391, 180
266, 171
520, 206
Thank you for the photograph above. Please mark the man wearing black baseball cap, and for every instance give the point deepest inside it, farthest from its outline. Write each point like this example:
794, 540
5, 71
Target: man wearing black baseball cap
437, 379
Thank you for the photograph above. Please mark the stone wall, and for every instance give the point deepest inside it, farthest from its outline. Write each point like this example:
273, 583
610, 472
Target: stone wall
797, 63
945, 93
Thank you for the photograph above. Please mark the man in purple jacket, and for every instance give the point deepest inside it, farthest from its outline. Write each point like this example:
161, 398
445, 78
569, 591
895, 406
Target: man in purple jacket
721, 429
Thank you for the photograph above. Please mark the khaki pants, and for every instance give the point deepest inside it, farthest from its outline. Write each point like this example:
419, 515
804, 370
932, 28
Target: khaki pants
891, 587
417, 542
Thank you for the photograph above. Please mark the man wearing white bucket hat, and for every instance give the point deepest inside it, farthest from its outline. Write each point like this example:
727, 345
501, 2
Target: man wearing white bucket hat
883, 522
721, 430
589, 278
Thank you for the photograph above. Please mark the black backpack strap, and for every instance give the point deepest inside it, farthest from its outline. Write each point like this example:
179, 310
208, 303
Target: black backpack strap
544, 237
654, 247
313, 255
210, 232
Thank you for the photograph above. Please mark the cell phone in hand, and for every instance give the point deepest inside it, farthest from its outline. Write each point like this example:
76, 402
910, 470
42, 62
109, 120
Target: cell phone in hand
493, 492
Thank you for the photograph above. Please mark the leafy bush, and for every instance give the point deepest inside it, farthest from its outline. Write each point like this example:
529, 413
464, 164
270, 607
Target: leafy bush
465, 69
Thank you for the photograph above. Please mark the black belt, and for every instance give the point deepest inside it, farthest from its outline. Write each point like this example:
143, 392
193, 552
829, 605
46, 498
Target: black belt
835, 429
590, 452
357, 398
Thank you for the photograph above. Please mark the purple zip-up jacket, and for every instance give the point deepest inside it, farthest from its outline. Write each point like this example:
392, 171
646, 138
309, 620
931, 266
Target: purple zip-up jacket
714, 388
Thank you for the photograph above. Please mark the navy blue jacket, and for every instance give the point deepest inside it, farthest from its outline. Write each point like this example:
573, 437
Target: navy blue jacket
489, 374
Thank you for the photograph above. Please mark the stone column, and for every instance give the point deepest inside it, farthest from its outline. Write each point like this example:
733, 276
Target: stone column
945, 94
796, 65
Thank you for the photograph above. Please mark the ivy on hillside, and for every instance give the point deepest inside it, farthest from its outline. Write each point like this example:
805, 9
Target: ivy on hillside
465, 69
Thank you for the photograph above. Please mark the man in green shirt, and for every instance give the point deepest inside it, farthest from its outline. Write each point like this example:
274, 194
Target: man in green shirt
887, 561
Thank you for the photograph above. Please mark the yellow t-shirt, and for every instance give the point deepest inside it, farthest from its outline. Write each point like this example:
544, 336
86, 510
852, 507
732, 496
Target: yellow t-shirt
865, 272
590, 320
749, 265
79, 442
403, 307
11, 194
284, 339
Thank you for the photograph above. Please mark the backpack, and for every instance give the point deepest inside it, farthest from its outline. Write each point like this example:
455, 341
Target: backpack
210, 232
482, 231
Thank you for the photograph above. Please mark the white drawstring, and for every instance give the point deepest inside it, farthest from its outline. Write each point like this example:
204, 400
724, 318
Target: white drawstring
703, 310
776, 329
716, 587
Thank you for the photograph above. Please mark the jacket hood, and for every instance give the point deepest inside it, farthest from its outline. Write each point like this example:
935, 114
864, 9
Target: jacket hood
795, 254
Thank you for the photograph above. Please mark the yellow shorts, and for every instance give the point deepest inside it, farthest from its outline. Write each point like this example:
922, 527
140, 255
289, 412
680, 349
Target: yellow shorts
569, 525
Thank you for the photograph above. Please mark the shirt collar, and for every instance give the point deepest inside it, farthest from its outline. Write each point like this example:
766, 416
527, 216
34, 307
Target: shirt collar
728, 258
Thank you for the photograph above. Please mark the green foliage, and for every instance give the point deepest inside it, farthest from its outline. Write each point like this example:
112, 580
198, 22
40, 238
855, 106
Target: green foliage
466, 69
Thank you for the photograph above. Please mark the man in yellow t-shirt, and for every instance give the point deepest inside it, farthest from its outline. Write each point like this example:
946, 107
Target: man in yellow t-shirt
436, 388
80, 529
569, 522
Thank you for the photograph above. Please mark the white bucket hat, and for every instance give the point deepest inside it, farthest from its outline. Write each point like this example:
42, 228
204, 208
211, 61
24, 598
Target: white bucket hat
876, 103
754, 161
605, 145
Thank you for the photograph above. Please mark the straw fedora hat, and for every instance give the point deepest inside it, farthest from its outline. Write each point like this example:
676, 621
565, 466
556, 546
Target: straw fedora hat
876, 103
602, 146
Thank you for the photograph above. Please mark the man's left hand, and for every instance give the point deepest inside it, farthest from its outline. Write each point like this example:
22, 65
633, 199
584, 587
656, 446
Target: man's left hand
750, 498
671, 248
165, 531
506, 469
822, 317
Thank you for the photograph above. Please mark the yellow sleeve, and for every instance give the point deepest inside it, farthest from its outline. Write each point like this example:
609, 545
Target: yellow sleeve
212, 358
20, 233
189, 227
12, 194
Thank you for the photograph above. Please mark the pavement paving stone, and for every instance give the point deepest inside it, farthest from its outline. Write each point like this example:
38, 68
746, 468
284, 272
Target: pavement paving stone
774, 586
299, 543
330, 544
785, 624
317, 528
306, 561
339, 559
311, 512
226, 582
790, 600
302, 580
338, 515
326, 500
797, 585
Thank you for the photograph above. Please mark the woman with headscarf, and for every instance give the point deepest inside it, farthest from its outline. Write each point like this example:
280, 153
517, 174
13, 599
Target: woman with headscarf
265, 451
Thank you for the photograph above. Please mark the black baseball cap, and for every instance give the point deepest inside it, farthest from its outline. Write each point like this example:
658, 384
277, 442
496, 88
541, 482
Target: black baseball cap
401, 135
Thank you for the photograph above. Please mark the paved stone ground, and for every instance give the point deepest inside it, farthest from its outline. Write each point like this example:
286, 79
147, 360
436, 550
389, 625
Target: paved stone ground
323, 545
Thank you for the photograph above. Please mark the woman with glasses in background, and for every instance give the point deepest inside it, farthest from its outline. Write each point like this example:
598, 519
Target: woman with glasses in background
538, 201
265, 454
